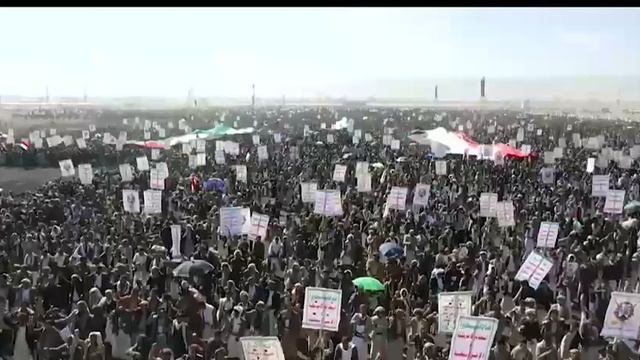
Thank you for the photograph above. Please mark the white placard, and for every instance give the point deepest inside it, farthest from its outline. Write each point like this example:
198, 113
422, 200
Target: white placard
142, 163
534, 269
505, 214
441, 167
473, 338
131, 201
421, 195
235, 221
520, 135
201, 159
321, 309
614, 202
261, 348
163, 169
37, 143
86, 134
539, 132
263, 154
92, 128
368, 137
54, 141
562, 142
67, 140
549, 157
330, 139
397, 198
219, 157
531, 127
176, 240
575, 138
155, 154
52, 132
156, 180
67, 168
600, 185
491, 129
450, 306
152, 201
201, 145
355, 140
625, 162
241, 172
558, 152
126, 172
362, 168
488, 204
339, 172
186, 148
255, 139
364, 182
85, 173
293, 153
277, 138
308, 191
357, 133
548, 234
328, 202
259, 226
232, 148
634, 152
386, 140
525, 148
193, 162
548, 175
622, 319
395, 144
147, 135
162, 133
591, 163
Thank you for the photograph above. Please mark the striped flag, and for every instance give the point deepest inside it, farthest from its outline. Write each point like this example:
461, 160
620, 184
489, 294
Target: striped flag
24, 145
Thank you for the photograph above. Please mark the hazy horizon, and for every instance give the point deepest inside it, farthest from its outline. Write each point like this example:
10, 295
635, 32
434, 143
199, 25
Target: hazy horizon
525, 53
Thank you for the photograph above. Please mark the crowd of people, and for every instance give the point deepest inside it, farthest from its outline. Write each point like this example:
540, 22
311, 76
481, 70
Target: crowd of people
81, 278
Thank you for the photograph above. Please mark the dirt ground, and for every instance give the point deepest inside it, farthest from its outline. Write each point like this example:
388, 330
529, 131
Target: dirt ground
19, 179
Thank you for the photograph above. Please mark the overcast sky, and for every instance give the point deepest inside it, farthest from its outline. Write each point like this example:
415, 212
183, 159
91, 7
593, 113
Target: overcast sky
307, 52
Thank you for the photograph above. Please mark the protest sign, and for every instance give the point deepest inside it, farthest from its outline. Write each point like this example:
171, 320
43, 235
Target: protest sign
520, 135
548, 234
330, 139
131, 201
505, 213
152, 201
321, 309
186, 148
277, 138
441, 167
142, 163
355, 140
235, 221
262, 153
176, 237
591, 163
488, 204
548, 175
622, 319
201, 145
339, 172
614, 202
201, 159
156, 181
255, 139
308, 191
259, 225
549, 157
67, 168
328, 202
163, 170
450, 306
232, 148
558, 152
241, 172
395, 144
85, 173
600, 185
219, 157
155, 154
397, 198
126, 172
534, 269
473, 338
364, 182
421, 195
261, 348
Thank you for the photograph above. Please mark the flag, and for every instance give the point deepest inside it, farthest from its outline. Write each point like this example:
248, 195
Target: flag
24, 145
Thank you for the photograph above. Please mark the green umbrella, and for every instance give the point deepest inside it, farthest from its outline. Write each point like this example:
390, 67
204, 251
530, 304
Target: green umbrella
368, 284
633, 206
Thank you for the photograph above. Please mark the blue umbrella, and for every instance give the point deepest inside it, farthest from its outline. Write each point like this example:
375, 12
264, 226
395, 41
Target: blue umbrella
390, 251
214, 184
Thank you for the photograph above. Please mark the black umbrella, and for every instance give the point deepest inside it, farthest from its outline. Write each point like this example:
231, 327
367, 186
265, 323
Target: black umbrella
192, 267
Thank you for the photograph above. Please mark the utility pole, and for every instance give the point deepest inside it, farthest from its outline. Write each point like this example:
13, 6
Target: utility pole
436, 93
253, 98
482, 84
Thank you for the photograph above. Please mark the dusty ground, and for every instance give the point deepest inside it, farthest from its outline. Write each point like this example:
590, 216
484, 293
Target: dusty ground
19, 179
